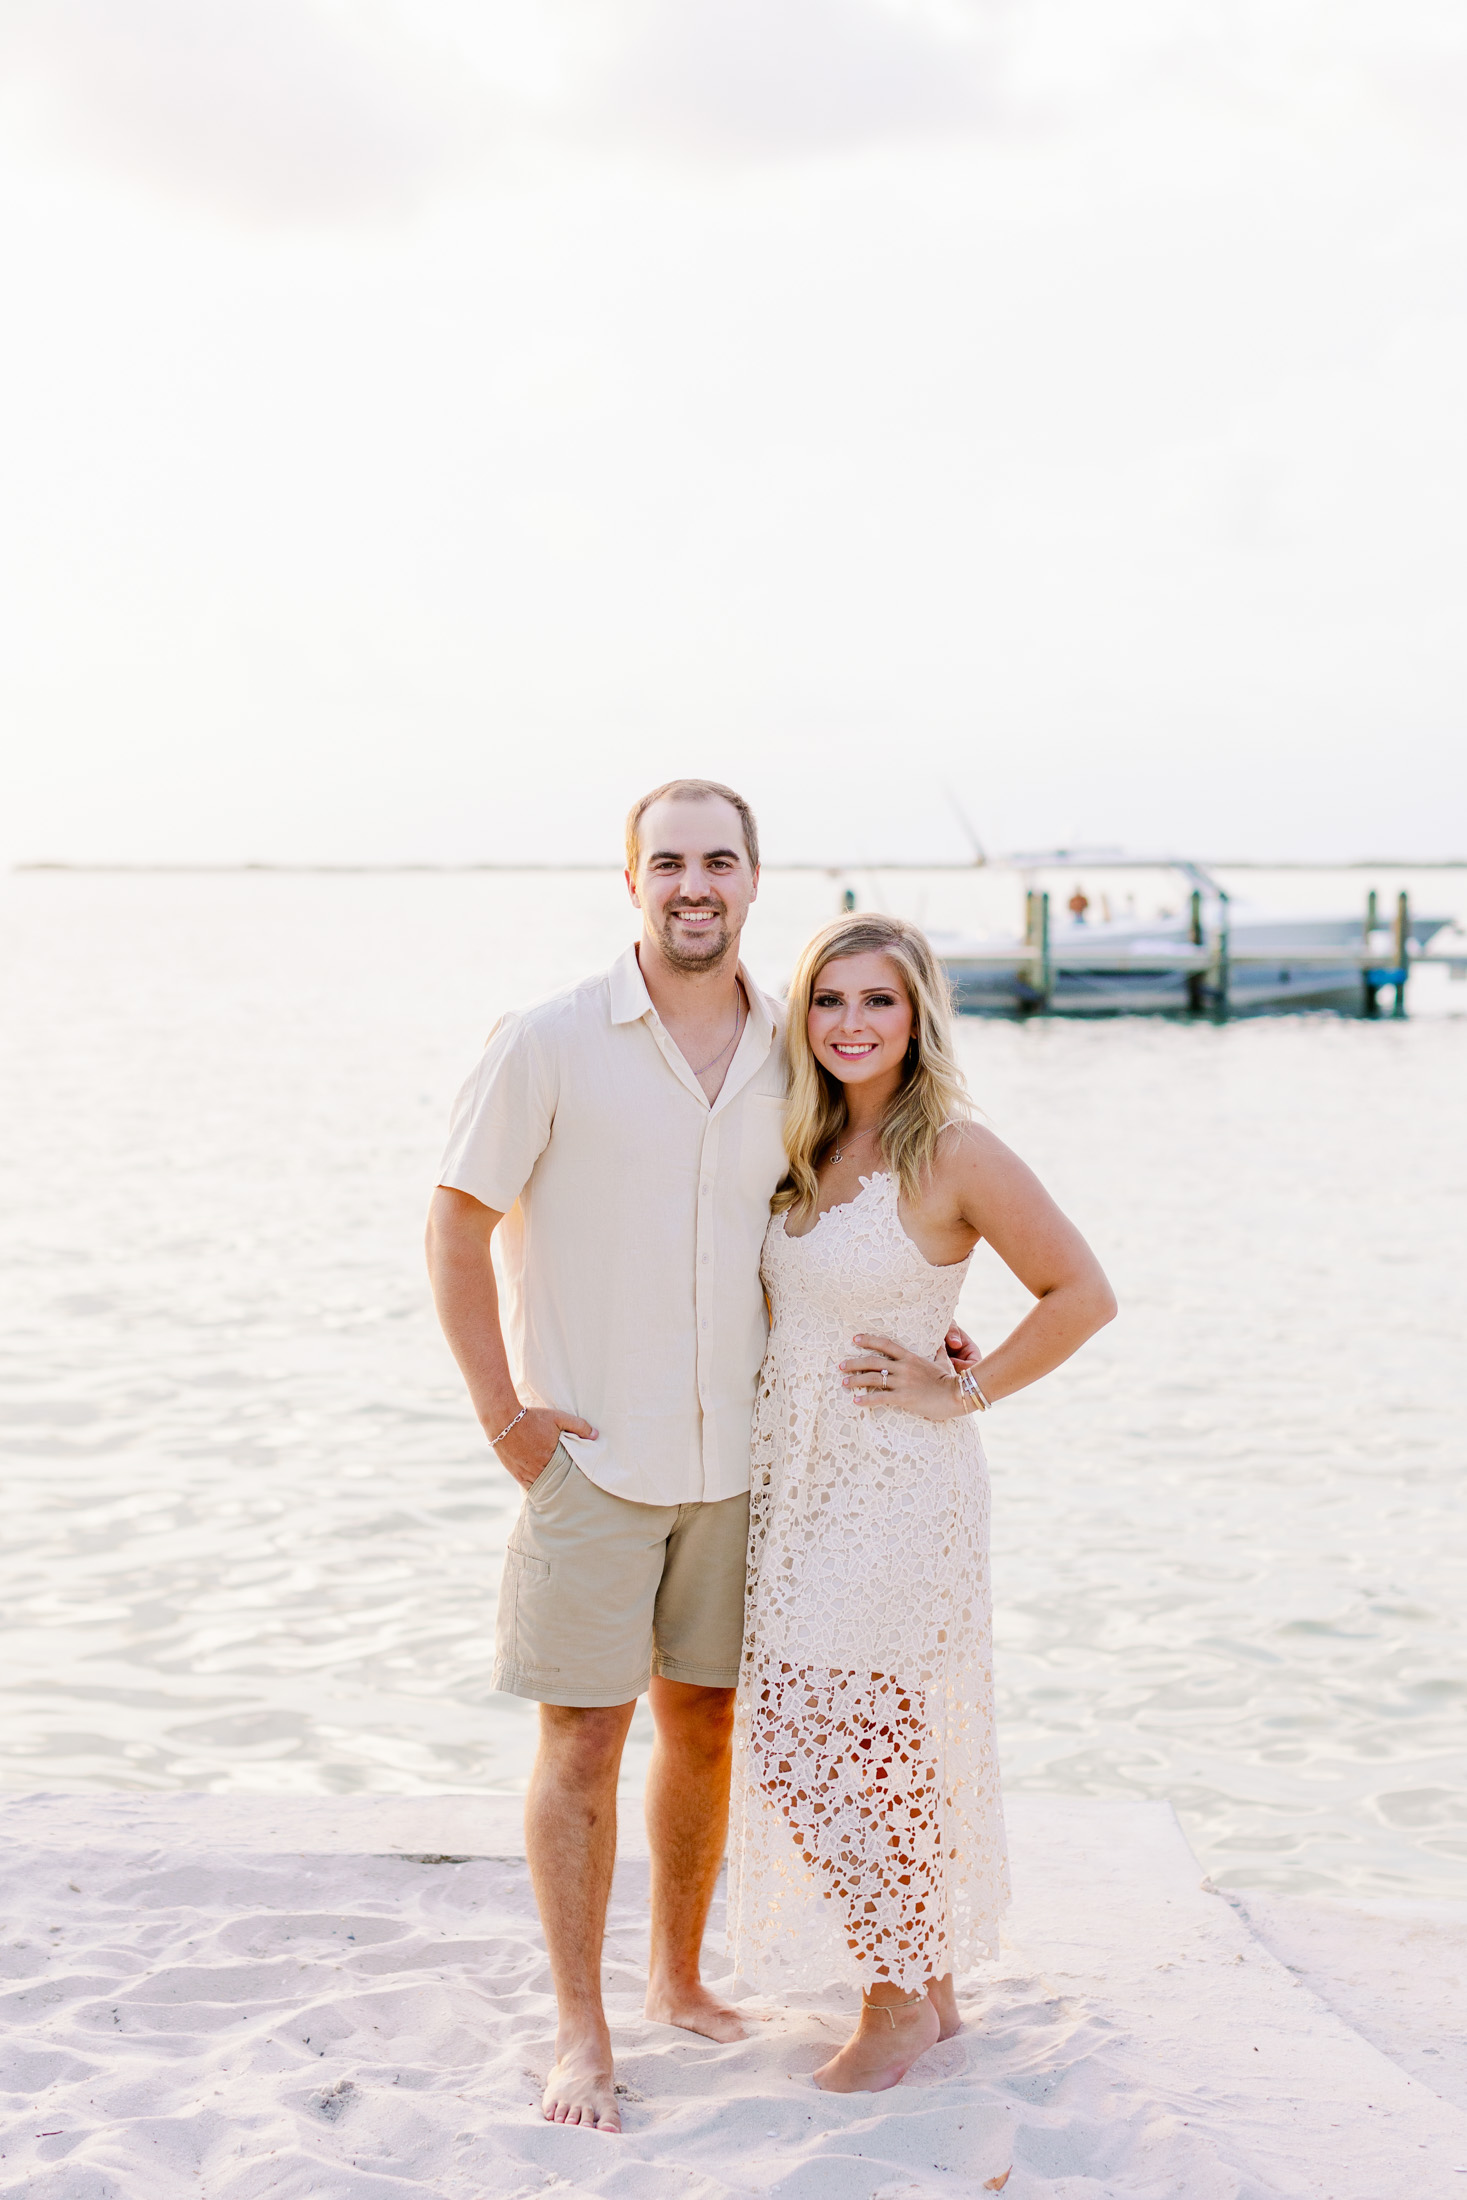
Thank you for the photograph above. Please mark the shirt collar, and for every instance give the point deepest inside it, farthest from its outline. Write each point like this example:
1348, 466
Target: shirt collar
629, 996
630, 1000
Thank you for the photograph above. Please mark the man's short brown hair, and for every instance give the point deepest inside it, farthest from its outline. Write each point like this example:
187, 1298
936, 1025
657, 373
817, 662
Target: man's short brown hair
692, 790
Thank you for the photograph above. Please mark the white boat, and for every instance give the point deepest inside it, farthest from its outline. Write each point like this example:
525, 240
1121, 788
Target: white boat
1212, 956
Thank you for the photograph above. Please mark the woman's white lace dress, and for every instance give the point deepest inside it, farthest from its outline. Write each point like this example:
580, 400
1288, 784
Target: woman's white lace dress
867, 1837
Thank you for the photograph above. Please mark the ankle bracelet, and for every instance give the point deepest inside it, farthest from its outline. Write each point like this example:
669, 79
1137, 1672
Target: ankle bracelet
890, 2008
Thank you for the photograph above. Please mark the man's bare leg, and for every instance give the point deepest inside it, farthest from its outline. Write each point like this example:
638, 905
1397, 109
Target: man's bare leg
570, 1840
687, 1824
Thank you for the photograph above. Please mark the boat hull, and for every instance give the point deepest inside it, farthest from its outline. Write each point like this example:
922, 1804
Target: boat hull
1099, 970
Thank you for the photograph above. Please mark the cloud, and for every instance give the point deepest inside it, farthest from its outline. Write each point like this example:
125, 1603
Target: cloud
266, 110
783, 76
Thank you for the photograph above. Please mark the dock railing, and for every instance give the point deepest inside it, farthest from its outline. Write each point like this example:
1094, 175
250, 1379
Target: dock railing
1364, 956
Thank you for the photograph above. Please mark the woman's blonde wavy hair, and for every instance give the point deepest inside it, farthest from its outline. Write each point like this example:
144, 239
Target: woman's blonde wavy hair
932, 1092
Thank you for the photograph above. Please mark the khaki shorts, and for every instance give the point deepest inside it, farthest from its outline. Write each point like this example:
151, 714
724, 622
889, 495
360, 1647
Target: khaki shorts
599, 1593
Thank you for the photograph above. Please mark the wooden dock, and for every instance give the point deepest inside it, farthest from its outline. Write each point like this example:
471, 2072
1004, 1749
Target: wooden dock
1208, 972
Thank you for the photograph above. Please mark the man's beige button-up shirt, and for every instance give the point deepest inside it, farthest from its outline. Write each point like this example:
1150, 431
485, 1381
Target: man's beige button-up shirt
628, 1259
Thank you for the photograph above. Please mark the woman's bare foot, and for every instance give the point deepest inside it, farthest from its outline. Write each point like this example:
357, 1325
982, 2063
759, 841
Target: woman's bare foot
581, 2088
696, 2010
945, 2002
885, 2044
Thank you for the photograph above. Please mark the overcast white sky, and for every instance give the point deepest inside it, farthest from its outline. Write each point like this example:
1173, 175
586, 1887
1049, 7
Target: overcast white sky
423, 424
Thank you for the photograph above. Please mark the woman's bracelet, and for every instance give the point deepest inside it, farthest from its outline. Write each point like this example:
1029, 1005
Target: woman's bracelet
968, 1388
499, 1439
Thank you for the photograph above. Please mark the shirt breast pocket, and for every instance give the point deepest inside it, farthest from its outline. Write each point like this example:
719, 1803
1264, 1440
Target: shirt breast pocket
762, 1158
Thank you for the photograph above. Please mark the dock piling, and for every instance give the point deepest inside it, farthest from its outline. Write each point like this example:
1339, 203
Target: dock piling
1196, 979
1403, 952
1037, 983
1369, 989
1222, 957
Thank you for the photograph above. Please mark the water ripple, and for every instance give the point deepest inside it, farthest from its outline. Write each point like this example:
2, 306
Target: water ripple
253, 1538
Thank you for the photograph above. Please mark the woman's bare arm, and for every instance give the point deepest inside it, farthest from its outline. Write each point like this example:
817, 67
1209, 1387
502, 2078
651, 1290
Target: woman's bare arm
988, 1192
1002, 1199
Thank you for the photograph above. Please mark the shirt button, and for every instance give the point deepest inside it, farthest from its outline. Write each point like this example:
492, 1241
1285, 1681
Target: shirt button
705, 1321
704, 1258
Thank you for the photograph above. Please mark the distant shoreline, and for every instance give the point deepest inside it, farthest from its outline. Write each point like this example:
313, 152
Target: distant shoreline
830, 869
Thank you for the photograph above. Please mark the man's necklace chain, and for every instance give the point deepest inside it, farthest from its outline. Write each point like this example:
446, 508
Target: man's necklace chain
728, 1042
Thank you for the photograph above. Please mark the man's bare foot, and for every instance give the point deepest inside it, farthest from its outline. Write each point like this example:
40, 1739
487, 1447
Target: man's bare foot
582, 2087
945, 2002
882, 2049
695, 2010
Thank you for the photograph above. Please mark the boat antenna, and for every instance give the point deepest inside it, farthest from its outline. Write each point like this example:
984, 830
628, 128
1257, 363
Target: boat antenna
979, 857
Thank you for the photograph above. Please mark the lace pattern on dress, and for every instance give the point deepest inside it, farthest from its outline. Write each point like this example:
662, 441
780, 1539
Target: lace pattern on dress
868, 1832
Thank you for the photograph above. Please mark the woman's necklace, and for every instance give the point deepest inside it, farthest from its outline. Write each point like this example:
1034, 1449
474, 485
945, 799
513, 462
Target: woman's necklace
728, 1042
837, 1151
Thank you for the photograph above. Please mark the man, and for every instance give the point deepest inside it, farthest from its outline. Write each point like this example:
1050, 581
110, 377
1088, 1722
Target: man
615, 1153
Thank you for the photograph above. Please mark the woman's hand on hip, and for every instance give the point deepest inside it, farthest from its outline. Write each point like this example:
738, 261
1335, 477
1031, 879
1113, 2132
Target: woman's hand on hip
884, 1373
961, 1349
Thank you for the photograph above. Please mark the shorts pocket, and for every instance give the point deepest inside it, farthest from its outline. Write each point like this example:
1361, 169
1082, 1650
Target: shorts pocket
550, 1478
517, 1636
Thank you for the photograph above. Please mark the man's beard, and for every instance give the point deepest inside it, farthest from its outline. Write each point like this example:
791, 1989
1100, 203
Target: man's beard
711, 946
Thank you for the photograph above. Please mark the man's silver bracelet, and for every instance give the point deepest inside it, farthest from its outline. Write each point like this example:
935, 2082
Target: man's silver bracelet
968, 1388
499, 1439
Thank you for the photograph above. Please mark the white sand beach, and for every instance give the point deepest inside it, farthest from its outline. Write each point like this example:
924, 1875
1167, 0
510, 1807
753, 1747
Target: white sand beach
229, 1998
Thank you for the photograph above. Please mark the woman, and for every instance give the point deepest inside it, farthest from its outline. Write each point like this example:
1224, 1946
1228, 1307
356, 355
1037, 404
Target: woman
868, 1835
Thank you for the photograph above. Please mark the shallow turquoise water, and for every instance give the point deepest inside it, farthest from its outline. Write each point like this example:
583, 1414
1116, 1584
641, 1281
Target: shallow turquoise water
252, 1533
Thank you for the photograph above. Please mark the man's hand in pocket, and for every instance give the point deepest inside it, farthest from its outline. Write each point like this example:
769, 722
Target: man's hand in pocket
528, 1448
